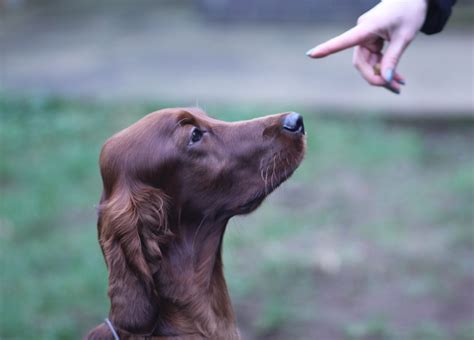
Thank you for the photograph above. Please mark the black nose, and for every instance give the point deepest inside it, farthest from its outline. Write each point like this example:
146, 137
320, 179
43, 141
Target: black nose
294, 122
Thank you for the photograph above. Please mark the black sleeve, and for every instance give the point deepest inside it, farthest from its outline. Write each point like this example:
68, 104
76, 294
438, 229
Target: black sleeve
437, 15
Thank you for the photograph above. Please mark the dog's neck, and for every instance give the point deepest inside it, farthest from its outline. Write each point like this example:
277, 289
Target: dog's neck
190, 281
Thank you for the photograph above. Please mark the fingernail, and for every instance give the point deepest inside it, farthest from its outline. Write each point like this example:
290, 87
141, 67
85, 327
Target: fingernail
309, 52
400, 81
389, 75
391, 89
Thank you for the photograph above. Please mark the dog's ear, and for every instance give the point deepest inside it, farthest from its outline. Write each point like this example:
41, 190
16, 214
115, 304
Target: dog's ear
132, 226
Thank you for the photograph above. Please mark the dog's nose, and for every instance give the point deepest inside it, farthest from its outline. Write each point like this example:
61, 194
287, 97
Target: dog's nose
293, 122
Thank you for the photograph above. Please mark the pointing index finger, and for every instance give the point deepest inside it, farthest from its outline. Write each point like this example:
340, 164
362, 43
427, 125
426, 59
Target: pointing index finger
350, 38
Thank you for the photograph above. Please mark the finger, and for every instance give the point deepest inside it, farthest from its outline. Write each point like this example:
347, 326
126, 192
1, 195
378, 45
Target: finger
367, 62
392, 56
392, 88
399, 79
348, 39
364, 61
375, 45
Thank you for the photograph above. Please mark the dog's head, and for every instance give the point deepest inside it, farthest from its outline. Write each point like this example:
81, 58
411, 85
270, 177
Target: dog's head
203, 165
181, 161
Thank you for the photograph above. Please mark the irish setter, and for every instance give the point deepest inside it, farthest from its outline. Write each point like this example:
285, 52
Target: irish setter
171, 182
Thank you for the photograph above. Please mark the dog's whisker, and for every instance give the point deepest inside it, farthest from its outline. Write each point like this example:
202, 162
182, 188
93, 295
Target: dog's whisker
266, 178
262, 170
273, 170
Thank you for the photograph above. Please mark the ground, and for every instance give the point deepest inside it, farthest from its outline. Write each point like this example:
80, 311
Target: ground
372, 238
142, 50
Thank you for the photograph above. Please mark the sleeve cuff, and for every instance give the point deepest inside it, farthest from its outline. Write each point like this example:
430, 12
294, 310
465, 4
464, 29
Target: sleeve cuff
437, 16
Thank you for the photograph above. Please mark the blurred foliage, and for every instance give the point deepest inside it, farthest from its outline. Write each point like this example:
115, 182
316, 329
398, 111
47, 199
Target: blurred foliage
357, 245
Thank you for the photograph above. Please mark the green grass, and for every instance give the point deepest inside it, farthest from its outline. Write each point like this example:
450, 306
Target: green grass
374, 216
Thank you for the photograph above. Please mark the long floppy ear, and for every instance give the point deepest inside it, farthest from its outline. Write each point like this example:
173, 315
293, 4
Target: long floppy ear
132, 225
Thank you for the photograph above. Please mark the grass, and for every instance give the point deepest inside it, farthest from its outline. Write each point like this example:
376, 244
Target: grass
371, 239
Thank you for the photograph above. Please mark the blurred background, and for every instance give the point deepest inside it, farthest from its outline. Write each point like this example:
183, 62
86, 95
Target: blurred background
372, 238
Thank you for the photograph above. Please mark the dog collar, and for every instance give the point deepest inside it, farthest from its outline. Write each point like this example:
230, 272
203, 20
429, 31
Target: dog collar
112, 329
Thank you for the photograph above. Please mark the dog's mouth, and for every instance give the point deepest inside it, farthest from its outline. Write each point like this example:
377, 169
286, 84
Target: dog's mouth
277, 168
274, 170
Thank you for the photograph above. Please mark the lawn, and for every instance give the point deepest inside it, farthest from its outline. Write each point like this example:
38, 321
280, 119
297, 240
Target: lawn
372, 238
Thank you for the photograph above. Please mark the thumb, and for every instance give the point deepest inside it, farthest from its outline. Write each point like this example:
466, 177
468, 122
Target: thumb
391, 58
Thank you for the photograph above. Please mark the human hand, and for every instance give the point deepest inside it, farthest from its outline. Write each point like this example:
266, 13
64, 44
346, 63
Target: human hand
393, 21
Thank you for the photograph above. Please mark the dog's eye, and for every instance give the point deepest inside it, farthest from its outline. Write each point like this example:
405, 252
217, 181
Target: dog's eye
196, 136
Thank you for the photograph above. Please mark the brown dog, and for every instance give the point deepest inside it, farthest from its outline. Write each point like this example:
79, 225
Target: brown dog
171, 183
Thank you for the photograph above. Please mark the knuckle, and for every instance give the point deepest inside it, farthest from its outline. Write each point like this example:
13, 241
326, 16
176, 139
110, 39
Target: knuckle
391, 60
371, 82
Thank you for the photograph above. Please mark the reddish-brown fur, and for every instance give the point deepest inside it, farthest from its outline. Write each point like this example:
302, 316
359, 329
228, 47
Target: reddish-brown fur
164, 208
